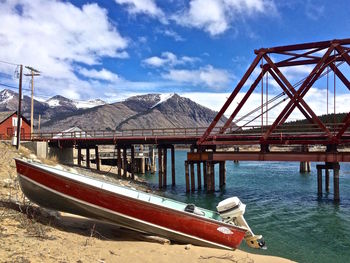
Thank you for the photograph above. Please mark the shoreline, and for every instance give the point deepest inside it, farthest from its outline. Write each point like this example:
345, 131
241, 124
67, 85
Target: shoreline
31, 234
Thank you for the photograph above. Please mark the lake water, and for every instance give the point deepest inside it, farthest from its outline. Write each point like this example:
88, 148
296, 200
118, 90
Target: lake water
282, 205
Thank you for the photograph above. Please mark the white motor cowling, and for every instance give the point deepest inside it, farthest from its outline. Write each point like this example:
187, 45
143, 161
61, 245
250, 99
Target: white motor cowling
231, 211
231, 208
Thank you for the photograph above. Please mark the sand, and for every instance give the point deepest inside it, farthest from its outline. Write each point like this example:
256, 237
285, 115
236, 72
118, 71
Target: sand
29, 233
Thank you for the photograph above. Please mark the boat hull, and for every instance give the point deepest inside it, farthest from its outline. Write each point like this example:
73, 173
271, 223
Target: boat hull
56, 192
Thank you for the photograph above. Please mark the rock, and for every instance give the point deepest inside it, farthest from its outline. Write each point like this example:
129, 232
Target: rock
188, 247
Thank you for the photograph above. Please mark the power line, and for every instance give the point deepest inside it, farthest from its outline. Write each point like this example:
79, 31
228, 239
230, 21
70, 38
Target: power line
9, 63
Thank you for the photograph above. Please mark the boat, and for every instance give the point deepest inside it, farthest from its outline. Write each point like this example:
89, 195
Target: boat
66, 191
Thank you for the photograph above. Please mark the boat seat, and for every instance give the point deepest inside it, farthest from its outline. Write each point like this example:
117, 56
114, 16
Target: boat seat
191, 208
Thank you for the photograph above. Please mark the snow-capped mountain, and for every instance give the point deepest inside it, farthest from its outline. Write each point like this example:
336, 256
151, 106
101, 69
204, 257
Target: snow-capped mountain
6, 96
60, 101
143, 111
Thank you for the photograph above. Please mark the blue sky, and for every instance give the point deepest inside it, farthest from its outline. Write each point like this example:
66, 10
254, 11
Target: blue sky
112, 49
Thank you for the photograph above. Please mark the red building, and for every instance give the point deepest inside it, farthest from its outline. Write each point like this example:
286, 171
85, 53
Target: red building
8, 125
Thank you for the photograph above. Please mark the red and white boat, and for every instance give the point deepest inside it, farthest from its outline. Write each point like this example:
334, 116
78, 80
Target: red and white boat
82, 195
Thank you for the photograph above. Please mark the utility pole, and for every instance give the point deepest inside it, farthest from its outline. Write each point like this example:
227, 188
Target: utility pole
19, 106
33, 72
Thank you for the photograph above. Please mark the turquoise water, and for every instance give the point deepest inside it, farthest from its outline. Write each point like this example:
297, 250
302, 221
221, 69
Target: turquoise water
282, 205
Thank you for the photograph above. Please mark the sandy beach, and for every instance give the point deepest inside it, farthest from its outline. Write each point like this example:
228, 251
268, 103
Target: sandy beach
29, 233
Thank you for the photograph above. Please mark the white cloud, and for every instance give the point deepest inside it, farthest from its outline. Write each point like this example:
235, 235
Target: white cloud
217, 16
148, 7
168, 59
208, 76
173, 34
103, 74
54, 36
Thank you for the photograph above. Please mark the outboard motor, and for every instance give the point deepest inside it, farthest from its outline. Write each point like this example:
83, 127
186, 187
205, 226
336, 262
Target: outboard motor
231, 211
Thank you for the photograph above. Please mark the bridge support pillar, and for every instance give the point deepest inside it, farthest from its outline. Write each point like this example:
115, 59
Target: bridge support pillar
205, 173
79, 156
210, 177
119, 161
87, 157
328, 166
97, 158
193, 184
187, 179
160, 166
172, 148
336, 183
327, 181
142, 161
63, 155
304, 167
165, 166
133, 162
222, 174
152, 160
199, 176
125, 163
319, 181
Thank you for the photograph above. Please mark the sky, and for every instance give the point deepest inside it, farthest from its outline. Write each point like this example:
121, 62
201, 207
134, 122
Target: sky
112, 49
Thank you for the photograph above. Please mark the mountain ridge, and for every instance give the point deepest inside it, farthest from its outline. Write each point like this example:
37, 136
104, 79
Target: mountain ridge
137, 112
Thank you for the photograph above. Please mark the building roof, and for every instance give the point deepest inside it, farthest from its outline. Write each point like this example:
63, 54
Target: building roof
4, 115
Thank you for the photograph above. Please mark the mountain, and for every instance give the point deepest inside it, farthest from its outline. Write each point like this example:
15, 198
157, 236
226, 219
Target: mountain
171, 111
9, 102
143, 111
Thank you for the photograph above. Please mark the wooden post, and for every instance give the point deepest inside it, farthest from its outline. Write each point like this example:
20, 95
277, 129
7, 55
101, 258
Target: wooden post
119, 161
222, 174
132, 162
209, 177
199, 178
165, 166
153, 161
327, 181
205, 174
97, 158
142, 161
79, 155
19, 117
160, 166
193, 184
173, 165
213, 175
88, 157
319, 181
336, 182
125, 162
187, 177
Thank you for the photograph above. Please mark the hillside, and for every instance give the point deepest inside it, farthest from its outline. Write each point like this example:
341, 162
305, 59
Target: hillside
174, 112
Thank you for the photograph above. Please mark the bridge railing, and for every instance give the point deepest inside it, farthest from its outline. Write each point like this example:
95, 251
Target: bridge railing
195, 131
252, 130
